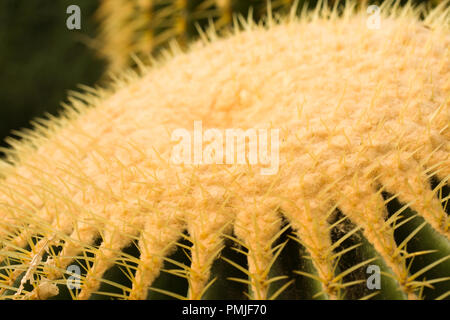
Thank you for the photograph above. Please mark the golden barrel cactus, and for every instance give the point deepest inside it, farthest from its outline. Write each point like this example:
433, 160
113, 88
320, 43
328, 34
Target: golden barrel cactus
362, 116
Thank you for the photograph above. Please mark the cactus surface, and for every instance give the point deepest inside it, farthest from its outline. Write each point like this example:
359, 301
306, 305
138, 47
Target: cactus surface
363, 176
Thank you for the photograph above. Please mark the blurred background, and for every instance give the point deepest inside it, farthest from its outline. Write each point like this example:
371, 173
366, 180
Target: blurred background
41, 59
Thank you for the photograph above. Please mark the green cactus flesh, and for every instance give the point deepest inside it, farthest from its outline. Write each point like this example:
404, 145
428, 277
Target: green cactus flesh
362, 183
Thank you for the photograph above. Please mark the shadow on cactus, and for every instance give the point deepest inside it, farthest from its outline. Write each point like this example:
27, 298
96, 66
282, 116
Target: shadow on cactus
362, 184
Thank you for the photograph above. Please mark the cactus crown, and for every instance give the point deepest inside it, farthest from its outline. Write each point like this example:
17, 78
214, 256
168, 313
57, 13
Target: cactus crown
364, 166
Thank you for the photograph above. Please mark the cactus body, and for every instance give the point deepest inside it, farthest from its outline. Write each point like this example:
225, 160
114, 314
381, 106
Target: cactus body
363, 177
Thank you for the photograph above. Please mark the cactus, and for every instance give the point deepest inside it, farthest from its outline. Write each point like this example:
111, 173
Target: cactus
362, 181
145, 26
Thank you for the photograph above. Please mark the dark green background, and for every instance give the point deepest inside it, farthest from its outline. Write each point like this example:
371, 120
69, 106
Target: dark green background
40, 59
